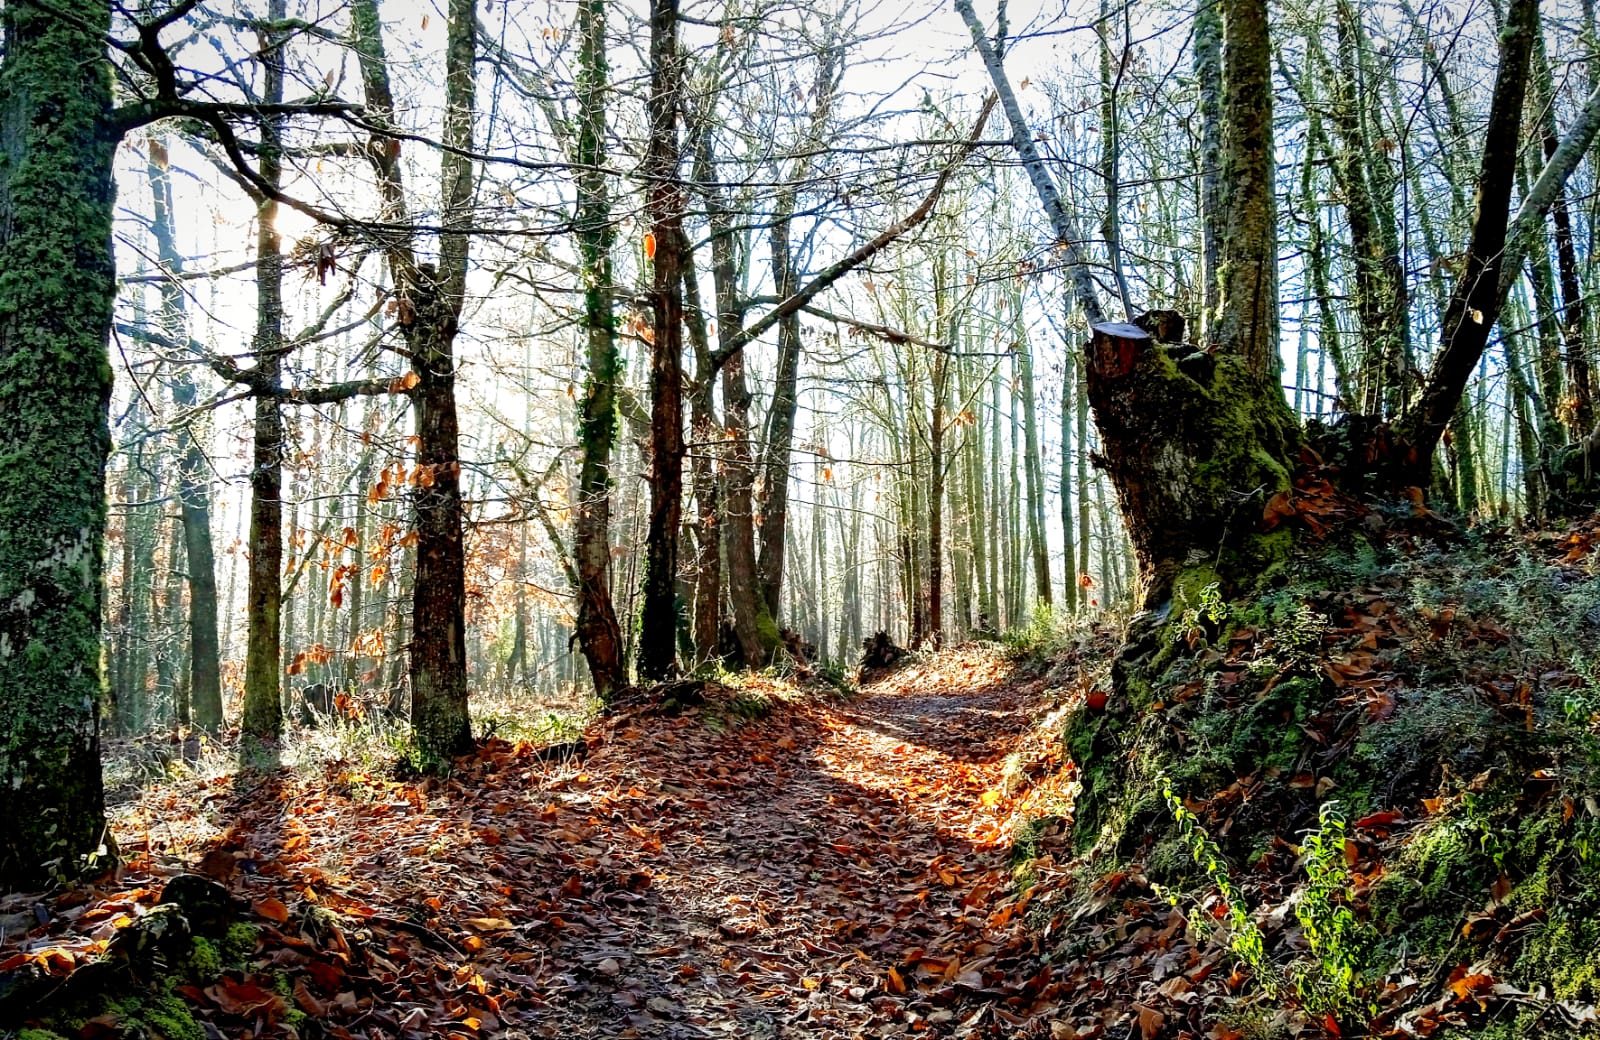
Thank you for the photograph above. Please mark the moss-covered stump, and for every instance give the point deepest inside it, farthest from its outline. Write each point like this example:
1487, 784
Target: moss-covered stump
1195, 446
133, 989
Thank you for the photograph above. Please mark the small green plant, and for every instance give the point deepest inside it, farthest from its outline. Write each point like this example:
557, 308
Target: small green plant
749, 706
1336, 983
1245, 939
836, 675
1209, 607
1042, 636
1479, 824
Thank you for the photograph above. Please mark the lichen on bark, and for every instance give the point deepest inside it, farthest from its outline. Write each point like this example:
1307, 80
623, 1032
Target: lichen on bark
57, 285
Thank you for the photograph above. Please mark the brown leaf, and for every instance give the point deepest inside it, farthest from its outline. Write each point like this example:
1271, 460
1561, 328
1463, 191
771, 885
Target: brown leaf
245, 998
272, 910
1150, 1021
307, 1000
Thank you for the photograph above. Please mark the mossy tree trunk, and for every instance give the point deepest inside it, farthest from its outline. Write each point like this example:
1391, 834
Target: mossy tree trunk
1196, 441
1193, 441
599, 634
664, 205
57, 286
263, 707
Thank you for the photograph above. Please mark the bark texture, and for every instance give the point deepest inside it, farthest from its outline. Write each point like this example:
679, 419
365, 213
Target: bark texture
1247, 276
1194, 443
440, 726
57, 285
659, 624
599, 634
263, 710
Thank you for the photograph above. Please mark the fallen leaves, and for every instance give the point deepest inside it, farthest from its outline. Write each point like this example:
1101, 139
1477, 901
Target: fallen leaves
273, 910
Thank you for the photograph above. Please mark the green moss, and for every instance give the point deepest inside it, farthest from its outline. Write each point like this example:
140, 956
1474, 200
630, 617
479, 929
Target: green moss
204, 962
1565, 951
38, 1034
57, 287
767, 631
238, 943
1424, 893
158, 1017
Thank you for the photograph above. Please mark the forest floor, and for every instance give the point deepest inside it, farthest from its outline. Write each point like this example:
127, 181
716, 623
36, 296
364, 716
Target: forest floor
1367, 803
777, 861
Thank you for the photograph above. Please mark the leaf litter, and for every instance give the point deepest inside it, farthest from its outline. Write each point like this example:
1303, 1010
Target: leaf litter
831, 868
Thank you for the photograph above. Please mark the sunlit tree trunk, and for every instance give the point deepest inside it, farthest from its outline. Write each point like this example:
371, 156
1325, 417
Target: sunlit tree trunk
263, 711
57, 287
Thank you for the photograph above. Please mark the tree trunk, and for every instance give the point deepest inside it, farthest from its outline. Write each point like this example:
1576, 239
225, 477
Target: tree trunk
1038, 540
263, 709
1578, 410
57, 286
664, 204
1069, 586
599, 634
779, 438
1475, 303
194, 488
1195, 442
1208, 75
438, 598
1247, 316
440, 725
936, 474
753, 626
707, 630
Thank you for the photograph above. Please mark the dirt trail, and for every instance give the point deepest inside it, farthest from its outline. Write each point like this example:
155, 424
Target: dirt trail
800, 858
831, 868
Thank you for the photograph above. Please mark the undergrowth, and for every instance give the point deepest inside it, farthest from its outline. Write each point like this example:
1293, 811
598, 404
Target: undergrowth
1377, 783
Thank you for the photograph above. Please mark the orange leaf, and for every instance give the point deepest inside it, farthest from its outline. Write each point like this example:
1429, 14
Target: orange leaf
273, 910
650, 245
1150, 1021
895, 983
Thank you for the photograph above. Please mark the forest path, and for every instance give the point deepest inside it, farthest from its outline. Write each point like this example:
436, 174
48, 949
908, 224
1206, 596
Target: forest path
794, 861
778, 862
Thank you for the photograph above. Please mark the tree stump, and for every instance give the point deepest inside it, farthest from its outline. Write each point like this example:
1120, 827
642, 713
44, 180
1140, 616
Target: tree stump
1194, 446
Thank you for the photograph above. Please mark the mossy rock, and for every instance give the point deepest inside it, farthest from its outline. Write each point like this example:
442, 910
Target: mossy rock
206, 905
239, 942
144, 964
